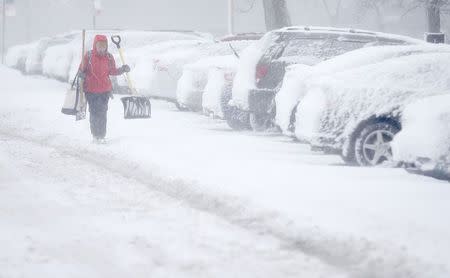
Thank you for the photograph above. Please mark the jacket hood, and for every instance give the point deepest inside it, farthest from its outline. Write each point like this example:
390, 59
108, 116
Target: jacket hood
99, 38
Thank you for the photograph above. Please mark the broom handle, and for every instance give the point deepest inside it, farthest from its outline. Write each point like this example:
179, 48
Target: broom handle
83, 42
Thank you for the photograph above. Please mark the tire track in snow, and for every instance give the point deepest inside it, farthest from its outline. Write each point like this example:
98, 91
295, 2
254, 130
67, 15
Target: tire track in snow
96, 214
358, 257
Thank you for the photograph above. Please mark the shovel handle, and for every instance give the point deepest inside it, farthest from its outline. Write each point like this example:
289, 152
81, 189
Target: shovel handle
116, 40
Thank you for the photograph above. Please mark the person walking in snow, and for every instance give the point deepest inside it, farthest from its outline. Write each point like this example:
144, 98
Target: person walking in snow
98, 64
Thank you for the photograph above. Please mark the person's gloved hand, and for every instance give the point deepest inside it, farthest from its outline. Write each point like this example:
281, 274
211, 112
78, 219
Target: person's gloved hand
125, 68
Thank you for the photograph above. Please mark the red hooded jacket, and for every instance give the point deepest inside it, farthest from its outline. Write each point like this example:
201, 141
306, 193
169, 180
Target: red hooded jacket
97, 69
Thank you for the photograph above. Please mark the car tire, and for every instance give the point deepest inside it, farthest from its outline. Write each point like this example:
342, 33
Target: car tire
372, 145
259, 122
237, 119
181, 107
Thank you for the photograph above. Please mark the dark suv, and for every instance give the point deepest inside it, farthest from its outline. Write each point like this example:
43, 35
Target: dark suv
301, 45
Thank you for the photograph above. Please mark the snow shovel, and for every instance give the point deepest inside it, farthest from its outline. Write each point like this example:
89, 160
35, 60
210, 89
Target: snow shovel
134, 106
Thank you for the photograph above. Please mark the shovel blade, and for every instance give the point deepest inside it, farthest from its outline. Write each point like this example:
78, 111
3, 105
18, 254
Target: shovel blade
136, 107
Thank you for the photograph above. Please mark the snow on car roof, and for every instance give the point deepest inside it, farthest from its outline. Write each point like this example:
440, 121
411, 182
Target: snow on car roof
343, 31
369, 55
227, 61
414, 71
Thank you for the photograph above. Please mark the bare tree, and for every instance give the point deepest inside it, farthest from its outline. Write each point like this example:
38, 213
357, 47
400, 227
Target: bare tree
433, 9
276, 14
334, 16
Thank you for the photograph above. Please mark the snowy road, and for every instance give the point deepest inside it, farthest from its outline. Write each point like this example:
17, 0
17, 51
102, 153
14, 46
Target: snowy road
65, 216
182, 195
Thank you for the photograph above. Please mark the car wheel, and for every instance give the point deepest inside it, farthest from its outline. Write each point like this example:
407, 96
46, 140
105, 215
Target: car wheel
373, 144
259, 122
237, 119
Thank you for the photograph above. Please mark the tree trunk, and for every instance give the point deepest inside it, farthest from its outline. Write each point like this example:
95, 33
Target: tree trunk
434, 16
276, 14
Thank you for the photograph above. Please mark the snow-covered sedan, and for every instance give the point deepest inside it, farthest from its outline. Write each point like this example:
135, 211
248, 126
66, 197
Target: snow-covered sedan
16, 56
193, 81
259, 79
191, 85
357, 113
218, 90
424, 140
166, 69
35, 57
294, 84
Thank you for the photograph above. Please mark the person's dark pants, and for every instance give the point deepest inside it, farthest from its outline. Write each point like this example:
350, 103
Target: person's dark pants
98, 108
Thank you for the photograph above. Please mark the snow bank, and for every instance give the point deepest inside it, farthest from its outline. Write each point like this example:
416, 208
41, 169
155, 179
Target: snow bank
293, 88
384, 88
425, 131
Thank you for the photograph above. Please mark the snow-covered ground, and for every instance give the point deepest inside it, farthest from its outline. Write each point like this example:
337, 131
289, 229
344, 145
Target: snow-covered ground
181, 195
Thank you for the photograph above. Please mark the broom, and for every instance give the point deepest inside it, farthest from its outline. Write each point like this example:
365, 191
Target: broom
134, 106
81, 114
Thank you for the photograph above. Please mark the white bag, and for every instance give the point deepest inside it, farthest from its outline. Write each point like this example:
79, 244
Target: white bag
75, 101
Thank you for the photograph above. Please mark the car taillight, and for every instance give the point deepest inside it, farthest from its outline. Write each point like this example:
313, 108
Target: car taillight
261, 72
158, 66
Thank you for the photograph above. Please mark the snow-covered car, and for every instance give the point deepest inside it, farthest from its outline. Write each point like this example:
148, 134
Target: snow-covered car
294, 84
35, 57
192, 83
260, 78
62, 61
166, 69
424, 140
218, 90
140, 60
16, 56
357, 113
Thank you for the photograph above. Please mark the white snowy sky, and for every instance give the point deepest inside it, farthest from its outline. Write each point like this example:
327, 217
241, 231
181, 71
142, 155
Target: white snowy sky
36, 18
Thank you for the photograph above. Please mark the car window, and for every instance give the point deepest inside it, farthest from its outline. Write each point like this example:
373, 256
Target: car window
338, 47
305, 47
